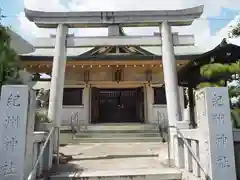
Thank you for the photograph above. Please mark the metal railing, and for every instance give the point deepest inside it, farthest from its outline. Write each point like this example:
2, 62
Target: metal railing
32, 175
161, 120
162, 129
189, 149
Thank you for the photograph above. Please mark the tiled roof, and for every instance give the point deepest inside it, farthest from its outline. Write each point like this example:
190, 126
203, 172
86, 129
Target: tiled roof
184, 50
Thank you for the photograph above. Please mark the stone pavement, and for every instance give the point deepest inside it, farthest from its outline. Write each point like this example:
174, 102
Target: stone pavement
114, 156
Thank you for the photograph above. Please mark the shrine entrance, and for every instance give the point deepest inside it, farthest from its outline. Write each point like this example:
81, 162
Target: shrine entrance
117, 105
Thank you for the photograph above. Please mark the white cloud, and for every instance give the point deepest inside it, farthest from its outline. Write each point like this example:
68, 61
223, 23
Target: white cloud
45, 5
96, 5
200, 27
28, 28
224, 32
213, 41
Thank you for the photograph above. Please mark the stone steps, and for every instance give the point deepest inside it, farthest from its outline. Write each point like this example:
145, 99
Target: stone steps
110, 133
117, 140
120, 131
116, 134
128, 174
113, 161
68, 138
121, 127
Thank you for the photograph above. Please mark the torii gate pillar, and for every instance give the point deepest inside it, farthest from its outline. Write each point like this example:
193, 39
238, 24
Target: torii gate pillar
170, 80
57, 82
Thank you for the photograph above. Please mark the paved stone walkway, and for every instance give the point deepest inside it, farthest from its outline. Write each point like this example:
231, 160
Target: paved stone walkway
114, 156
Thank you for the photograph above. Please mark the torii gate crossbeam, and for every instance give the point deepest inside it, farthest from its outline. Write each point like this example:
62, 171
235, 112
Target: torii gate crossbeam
178, 40
95, 19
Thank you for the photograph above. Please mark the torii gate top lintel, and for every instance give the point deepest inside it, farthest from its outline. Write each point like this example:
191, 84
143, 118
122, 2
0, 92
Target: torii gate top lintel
181, 17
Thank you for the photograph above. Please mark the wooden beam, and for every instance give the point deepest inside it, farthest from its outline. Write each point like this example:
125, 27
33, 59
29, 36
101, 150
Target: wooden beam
74, 42
104, 63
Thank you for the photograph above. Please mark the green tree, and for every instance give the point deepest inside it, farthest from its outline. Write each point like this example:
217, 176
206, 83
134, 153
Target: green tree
218, 75
9, 61
221, 74
236, 31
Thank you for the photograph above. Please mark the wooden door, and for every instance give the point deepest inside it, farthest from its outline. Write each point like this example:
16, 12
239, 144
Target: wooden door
109, 106
127, 105
118, 106
95, 105
140, 104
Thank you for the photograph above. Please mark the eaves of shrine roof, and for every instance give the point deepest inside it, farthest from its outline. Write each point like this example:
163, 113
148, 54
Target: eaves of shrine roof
223, 53
46, 54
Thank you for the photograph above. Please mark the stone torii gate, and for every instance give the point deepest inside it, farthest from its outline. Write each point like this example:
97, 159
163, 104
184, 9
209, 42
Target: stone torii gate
62, 21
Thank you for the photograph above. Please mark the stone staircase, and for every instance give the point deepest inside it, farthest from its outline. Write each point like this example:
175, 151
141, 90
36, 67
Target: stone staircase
114, 152
115, 161
110, 133
135, 174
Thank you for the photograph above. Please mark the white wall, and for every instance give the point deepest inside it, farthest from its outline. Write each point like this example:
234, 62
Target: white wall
156, 113
159, 114
74, 113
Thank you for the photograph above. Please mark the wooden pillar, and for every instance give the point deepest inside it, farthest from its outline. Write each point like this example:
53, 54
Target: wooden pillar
193, 123
149, 103
86, 104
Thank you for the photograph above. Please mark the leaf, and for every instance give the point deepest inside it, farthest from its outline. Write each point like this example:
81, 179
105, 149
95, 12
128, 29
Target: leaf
9, 60
214, 70
235, 114
236, 31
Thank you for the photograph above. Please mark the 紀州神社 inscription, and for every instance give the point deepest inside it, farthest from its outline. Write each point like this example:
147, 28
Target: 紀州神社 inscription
216, 129
13, 118
218, 108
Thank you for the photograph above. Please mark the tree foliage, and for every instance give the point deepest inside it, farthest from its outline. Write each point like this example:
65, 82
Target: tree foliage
221, 73
236, 31
218, 74
9, 61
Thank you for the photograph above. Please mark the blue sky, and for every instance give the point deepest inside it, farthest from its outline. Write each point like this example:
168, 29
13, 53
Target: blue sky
13, 8
218, 22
